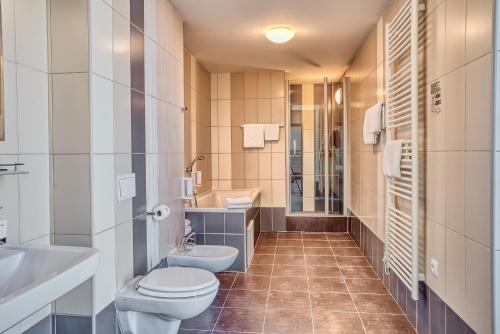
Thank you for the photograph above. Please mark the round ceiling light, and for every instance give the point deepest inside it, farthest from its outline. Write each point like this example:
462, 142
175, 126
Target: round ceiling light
280, 34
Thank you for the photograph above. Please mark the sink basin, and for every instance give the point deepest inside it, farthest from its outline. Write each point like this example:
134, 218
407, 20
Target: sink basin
209, 257
34, 276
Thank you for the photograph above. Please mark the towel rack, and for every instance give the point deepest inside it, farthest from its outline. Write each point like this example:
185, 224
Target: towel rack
281, 125
401, 228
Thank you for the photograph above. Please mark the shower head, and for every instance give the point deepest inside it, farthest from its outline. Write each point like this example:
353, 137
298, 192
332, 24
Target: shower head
189, 168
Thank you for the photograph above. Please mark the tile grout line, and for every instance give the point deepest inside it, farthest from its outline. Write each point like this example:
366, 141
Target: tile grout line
269, 287
307, 282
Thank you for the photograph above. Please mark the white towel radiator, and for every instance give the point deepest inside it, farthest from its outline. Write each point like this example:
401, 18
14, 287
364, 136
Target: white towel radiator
401, 229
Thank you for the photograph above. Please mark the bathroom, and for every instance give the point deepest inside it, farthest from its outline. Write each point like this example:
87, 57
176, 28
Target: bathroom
120, 119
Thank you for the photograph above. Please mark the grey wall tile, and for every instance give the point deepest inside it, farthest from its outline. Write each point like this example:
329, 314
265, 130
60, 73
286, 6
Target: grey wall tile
139, 168
200, 238
454, 324
137, 13
140, 246
197, 221
235, 223
438, 314
138, 121
279, 220
266, 219
136, 59
66, 324
237, 241
402, 292
411, 310
423, 317
393, 285
214, 239
42, 327
105, 321
214, 222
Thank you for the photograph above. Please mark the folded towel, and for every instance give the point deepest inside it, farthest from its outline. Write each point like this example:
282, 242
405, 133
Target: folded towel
271, 132
371, 124
392, 158
187, 230
253, 135
239, 206
187, 223
238, 201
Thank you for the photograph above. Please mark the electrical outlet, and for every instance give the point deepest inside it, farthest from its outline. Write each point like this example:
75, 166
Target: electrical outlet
435, 267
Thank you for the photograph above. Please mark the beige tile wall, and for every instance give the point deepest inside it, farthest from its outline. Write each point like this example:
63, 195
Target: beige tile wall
456, 150
197, 132
250, 97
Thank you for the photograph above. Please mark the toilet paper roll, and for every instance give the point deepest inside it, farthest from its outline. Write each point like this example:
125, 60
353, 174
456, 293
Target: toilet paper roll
197, 178
161, 212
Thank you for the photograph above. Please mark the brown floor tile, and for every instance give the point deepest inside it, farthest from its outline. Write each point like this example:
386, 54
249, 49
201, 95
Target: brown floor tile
266, 242
280, 283
289, 243
323, 271
376, 304
347, 252
204, 321
290, 235
338, 236
220, 298
289, 300
263, 259
352, 261
288, 270
358, 272
314, 236
226, 280
297, 260
246, 299
372, 286
268, 235
327, 284
327, 322
318, 251
264, 250
287, 322
252, 282
325, 260
240, 320
290, 250
260, 269
386, 324
342, 243
316, 243
336, 302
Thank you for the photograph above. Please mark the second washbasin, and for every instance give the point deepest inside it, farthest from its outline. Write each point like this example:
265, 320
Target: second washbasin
209, 257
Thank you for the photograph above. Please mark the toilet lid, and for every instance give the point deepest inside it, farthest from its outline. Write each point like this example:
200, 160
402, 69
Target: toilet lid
178, 279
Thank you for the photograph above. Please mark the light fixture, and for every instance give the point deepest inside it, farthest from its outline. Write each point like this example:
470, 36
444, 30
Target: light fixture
338, 96
280, 34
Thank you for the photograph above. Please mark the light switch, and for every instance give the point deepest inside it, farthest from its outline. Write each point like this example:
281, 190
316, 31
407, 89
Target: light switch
126, 187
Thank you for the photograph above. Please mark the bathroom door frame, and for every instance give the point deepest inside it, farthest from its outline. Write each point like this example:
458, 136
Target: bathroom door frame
326, 81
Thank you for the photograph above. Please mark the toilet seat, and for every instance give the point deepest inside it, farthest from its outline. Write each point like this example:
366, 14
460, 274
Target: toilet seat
177, 282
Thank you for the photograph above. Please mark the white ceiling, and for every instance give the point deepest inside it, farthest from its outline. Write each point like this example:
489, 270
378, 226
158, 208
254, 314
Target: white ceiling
228, 35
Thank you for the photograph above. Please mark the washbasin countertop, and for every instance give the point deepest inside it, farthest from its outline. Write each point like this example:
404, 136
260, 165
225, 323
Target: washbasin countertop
34, 276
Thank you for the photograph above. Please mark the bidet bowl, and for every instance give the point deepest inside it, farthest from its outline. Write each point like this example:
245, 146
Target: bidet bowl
209, 257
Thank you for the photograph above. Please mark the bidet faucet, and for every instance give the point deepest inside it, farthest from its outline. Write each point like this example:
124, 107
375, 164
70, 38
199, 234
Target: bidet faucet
187, 240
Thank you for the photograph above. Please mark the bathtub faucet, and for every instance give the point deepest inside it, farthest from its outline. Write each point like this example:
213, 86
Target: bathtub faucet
189, 168
187, 240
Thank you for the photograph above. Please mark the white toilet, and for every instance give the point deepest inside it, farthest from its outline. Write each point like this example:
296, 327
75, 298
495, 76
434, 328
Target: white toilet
157, 302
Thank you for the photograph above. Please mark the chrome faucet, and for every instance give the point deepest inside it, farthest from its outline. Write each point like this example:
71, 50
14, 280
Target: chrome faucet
189, 170
187, 240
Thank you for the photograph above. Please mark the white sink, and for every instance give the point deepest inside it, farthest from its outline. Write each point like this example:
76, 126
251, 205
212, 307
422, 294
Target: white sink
209, 257
34, 276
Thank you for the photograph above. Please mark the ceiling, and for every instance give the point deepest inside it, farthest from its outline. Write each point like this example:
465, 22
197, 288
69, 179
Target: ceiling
228, 35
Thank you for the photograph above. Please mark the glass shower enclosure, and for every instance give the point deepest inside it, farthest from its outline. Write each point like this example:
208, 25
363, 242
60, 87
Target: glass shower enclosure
317, 137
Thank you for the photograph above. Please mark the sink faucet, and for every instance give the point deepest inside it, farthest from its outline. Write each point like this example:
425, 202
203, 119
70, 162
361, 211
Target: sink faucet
187, 240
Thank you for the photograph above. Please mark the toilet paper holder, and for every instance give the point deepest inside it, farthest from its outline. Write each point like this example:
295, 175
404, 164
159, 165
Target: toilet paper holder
159, 212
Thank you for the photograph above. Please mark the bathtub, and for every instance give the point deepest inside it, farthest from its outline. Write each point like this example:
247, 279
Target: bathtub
214, 224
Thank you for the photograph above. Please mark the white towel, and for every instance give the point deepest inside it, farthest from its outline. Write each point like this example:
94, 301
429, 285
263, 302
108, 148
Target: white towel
239, 206
238, 201
253, 135
187, 223
392, 158
371, 124
271, 132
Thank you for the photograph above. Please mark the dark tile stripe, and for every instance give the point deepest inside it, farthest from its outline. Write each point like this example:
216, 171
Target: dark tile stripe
73, 324
44, 326
140, 246
105, 321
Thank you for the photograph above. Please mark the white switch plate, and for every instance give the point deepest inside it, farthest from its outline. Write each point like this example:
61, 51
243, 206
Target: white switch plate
435, 267
126, 187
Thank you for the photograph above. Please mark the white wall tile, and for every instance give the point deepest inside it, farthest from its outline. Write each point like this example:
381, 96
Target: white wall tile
34, 197
435, 190
224, 113
121, 50
31, 33
122, 7
124, 254
33, 115
436, 249
102, 38
224, 139
455, 33
105, 277
72, 210
122, 119
76, 302
175, 44
102, 114
155, 69
479, 28
9, 197
435, 42
70, 113
454, 109
455, 191
478, 287
123, 209
69, 36
8, 30
103, 192
35, 318
455, 272
223, 86
10, 145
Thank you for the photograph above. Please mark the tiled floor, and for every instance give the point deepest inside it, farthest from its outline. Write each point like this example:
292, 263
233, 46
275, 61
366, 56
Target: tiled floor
302, 283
